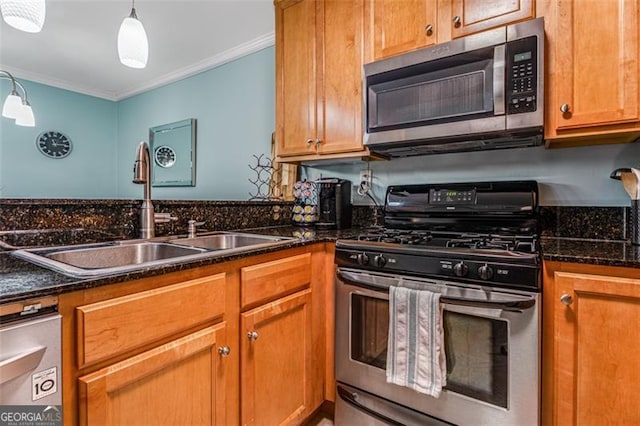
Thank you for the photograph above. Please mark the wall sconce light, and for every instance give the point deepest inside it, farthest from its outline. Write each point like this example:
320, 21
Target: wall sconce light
25, 15
133, 45
15, 106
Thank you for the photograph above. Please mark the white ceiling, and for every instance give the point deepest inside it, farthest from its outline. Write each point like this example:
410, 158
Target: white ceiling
76, 49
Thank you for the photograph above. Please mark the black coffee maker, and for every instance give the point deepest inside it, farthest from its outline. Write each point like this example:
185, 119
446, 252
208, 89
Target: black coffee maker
334, 203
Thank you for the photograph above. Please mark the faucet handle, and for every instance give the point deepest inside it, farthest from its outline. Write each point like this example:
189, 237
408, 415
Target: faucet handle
193, 227
164, 217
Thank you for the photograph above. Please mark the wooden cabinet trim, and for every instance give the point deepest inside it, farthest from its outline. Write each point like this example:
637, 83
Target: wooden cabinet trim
108, 328
270, 280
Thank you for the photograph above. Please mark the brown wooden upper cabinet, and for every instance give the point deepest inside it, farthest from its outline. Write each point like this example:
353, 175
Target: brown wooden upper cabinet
400, 26
593, 70
319, 57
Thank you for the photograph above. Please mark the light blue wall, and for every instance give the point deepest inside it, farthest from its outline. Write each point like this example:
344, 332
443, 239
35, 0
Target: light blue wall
572, 176
234, 105
90, 123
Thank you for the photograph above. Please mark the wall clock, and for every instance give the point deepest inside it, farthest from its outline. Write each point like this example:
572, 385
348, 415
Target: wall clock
54, 144
165, 156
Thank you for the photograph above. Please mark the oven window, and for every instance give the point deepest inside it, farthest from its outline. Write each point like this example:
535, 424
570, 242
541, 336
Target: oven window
477, 357
369, 330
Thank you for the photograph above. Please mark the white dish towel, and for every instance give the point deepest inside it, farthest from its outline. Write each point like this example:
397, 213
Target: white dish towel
415, 349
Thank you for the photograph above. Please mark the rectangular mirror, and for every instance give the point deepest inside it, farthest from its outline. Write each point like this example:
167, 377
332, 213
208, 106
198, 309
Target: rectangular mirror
173, 153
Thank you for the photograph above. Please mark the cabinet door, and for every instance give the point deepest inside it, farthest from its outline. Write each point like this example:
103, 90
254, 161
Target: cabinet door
595, 64
402, 25
340, 31
472, 16
597, 347
181, 382
276, 362
295, 77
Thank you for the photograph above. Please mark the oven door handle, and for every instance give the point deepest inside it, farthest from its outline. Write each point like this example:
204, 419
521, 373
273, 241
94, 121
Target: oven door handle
516, 304
503, 305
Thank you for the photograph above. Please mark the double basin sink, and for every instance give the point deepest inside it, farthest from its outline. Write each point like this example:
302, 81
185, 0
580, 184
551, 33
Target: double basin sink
93, 260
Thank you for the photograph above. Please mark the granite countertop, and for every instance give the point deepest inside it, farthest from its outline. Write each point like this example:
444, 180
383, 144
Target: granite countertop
21, 280
591, 251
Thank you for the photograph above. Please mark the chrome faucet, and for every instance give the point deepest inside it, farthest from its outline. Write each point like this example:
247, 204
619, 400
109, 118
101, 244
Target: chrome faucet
142, 175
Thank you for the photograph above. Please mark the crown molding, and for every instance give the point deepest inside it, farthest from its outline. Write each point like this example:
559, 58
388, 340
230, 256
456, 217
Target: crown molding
57, 83
229, 55
222, 58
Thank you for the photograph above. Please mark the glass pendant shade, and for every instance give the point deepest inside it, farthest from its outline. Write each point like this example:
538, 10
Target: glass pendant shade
25, 15
133, 46
26, 118
12, 105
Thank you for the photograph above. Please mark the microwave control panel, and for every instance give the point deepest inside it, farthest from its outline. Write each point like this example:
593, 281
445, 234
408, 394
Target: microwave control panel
522, 75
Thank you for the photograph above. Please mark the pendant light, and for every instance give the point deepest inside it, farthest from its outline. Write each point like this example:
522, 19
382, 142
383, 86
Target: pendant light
15, 106
133, 46
25, 15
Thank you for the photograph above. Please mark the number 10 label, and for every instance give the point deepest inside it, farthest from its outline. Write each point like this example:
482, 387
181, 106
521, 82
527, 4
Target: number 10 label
44, 383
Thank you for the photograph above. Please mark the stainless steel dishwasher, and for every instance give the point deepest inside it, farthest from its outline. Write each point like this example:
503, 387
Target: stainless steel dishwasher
30, 354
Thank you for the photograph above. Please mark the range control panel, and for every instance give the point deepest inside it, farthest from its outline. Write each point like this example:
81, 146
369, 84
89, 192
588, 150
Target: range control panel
522, 75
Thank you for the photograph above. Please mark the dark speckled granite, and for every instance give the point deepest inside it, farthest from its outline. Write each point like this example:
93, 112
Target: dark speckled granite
84, 221
596, 252
601, 223
22, 280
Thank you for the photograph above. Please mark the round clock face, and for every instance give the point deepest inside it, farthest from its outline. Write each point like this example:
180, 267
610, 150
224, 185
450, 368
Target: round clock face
54, 144
165, 156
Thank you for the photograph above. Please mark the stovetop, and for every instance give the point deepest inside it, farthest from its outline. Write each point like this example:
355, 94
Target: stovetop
483, 233
452, 240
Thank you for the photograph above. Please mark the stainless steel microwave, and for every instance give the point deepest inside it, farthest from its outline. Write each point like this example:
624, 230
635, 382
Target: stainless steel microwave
483, 91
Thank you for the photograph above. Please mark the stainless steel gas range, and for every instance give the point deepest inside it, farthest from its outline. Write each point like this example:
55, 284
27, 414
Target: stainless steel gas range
476, 244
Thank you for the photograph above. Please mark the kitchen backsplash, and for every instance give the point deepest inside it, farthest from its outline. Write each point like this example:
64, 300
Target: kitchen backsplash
27, 222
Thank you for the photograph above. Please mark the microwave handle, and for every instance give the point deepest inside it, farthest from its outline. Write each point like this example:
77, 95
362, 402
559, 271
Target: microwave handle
499, 80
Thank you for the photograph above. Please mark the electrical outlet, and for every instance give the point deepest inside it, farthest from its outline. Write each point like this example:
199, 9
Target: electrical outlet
366, 176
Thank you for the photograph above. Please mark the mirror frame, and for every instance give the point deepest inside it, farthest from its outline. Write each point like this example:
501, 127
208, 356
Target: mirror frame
152, 148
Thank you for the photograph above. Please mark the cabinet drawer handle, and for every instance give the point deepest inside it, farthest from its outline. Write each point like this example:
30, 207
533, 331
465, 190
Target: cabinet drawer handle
224, 350
428, 30
252, 335
309, 141
566, 299
564, 108
457, 21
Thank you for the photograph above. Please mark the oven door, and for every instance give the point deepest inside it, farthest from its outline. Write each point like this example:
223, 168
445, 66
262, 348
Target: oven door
492, 345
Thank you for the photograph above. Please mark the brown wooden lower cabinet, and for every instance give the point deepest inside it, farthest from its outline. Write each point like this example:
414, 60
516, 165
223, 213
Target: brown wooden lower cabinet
275, 364
180, 382
173, 349
591, 372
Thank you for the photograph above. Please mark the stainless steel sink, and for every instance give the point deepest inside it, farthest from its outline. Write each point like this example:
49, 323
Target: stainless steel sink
228, 240
93, 260
109, 258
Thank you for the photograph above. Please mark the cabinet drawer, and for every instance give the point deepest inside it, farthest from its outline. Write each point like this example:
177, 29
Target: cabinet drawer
268, 281
114, 326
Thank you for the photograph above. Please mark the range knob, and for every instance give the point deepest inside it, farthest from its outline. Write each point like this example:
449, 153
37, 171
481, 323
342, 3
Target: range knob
460, 269
485, 272
379, 261
362, 259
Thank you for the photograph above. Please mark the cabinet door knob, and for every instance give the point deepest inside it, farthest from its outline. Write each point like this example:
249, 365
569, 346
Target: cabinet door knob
318, 142
564, 108
457, 21
566, 299
309, 141
252, 335
428, 30
224, 350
